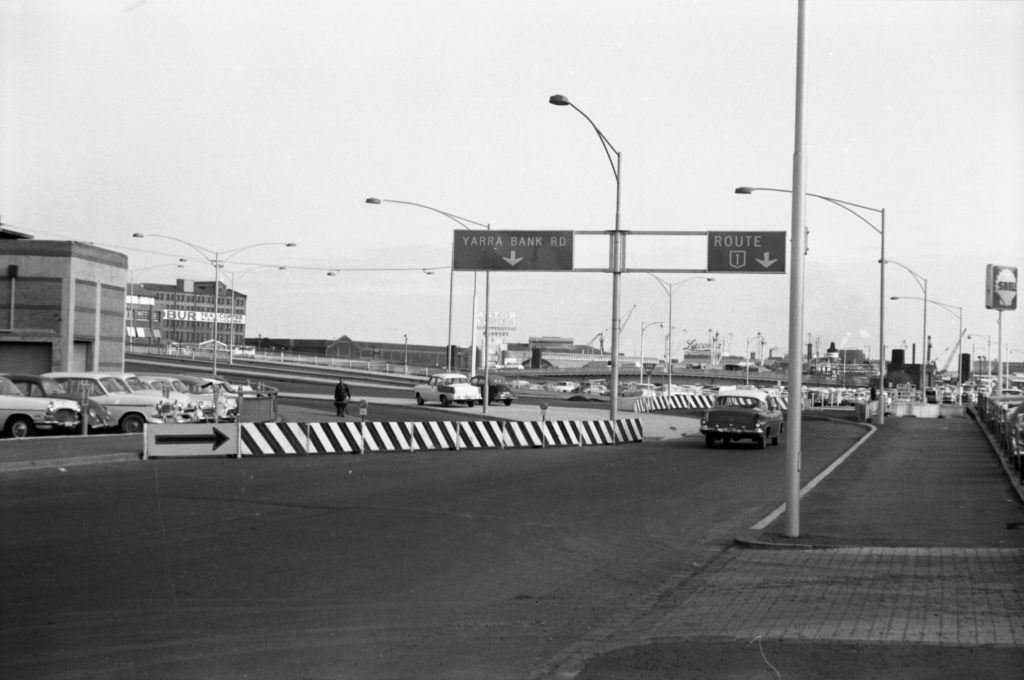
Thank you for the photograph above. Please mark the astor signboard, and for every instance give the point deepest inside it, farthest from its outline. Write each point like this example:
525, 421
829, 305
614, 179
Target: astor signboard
762, 252
512, 250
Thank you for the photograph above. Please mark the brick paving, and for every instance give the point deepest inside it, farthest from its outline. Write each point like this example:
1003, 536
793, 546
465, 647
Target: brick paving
955, 596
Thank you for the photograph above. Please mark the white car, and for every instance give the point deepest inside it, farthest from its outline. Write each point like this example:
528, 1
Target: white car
131, 410
448, 388
169, 389
22, 416
562, 386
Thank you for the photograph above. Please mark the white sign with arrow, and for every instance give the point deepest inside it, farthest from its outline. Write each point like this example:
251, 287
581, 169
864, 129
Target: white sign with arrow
191, 440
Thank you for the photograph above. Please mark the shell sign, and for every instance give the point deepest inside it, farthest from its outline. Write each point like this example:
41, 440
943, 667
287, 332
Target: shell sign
1000, 287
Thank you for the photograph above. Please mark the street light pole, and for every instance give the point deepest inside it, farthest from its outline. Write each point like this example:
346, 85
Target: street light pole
231, 328
217, 259
746, 359
669, 288
616, 248
959, 338
131, 287
850, 208
464, 223
922, 283
643, 327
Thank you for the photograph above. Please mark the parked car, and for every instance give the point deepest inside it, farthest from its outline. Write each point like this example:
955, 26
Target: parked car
131, 410
39, 386
23, 416
638, 390
593, 388
743, 414
448, 388
215, 399
188, 412
498, 388
562, 386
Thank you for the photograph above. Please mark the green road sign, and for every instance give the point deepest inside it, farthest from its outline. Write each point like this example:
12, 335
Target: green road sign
512, 250
762, 252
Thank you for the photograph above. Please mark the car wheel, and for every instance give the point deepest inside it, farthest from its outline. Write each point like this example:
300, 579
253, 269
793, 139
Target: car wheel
419, 399
19, 427
133, 424
762, 442
508, 402
709, 441
445, 401
775, 440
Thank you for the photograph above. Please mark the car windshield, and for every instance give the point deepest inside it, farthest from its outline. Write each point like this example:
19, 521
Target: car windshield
113, 385
51, 388
8, 388
135, 384
457, 380
739, 402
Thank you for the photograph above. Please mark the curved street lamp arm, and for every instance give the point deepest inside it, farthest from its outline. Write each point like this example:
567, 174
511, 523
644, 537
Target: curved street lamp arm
605, 143
212, 256
461, 221
845, 205
956, 310
921, 281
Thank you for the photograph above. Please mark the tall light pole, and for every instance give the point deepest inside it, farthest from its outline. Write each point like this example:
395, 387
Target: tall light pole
216, 259
959, 337
131, 285
746, 358
231, 329
464, 223
922, 283
643, 327
669, 288
988, 352
852, 208
616, 248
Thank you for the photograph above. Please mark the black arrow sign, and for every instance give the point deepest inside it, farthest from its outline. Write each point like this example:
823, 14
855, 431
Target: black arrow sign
216, 438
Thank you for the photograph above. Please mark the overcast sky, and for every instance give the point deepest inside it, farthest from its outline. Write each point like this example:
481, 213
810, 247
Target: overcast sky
232, 123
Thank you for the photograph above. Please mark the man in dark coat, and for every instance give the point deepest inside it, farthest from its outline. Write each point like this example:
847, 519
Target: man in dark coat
341, 397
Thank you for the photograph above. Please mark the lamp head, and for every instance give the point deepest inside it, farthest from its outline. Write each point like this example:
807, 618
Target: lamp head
744, 190
138, 235
373, 201
558, 100
289, 245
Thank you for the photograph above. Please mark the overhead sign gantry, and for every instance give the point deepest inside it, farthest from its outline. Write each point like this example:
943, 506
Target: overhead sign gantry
759, 252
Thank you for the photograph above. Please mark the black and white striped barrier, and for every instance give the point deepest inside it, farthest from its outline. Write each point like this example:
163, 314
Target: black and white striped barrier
676, 401
268, 439
696, 402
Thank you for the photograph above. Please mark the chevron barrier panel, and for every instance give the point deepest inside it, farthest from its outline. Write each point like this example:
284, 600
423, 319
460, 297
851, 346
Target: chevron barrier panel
481, 434
301, 439
435, 435
696, 402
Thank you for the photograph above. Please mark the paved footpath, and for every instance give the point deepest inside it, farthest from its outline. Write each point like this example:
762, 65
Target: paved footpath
917, 538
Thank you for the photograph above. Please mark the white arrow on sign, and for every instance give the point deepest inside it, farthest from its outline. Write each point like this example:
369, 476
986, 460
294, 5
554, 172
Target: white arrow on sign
513, 260
766, 261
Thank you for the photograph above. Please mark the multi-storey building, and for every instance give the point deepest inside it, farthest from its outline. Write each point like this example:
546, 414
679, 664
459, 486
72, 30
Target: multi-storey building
184, 313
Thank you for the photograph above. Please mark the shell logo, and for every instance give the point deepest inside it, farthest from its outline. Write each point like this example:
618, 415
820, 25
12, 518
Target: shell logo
1000, 287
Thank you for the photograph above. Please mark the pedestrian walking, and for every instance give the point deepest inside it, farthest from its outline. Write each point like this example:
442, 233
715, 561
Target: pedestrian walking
341, 397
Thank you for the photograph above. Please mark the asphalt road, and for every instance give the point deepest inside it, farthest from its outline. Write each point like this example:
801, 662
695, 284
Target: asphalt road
427, 565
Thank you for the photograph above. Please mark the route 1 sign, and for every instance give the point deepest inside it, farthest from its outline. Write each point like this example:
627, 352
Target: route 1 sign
512, 250
762, 252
